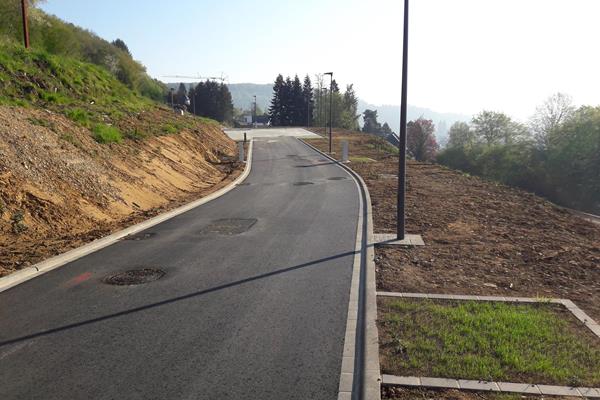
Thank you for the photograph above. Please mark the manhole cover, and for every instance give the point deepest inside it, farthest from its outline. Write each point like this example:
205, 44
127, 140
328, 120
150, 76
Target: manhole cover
302, 183
140, 236
134, 277
337, 178
229, 226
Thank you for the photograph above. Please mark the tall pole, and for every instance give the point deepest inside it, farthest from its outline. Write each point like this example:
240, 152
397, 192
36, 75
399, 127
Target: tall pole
254, 116
400, 226
25, 23
330, 108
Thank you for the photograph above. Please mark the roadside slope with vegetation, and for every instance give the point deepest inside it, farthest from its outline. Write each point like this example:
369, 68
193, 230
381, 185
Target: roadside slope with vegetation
84, 147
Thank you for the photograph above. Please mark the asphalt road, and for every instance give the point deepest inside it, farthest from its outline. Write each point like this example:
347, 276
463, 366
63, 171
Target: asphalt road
256, 315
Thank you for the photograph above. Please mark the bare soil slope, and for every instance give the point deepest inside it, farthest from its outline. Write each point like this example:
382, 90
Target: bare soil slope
481, 237
59, 188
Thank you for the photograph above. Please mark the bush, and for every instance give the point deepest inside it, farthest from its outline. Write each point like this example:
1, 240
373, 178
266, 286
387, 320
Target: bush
80, 116
107, 134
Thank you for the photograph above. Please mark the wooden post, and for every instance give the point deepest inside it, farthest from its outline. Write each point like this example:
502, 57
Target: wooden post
25, 23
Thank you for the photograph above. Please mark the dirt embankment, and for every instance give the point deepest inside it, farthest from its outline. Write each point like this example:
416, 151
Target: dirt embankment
481, 237
59, 188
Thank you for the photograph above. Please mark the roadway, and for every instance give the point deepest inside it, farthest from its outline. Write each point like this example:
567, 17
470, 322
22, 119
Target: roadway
259, 314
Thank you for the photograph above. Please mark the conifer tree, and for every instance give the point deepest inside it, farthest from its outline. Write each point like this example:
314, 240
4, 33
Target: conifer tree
307, 97
275, 110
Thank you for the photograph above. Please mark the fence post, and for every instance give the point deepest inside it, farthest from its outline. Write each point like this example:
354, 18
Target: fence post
241, 151
345, 151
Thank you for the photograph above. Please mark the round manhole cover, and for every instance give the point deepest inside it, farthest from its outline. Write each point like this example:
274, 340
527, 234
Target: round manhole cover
134, 277
302, 183
337, 178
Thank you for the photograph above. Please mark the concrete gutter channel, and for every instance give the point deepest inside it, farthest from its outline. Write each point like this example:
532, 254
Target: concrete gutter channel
58, 261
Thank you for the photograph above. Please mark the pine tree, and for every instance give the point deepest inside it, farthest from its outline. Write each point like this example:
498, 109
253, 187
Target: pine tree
307, 97
276, 108
297, 104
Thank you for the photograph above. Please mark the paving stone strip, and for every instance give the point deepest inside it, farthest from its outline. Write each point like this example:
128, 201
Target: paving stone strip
508, 387
524, 388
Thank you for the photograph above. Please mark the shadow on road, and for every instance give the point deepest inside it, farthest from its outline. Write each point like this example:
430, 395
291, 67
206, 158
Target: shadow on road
172, 300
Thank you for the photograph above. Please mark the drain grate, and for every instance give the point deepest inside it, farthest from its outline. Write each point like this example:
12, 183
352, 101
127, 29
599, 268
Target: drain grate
337, 178
134, 277
140, 236
303, 183
229, 226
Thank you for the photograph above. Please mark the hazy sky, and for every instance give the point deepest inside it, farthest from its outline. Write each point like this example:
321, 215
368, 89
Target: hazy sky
465, 55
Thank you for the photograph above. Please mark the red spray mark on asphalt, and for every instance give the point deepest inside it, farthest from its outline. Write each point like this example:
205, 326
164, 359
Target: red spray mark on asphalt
78, 279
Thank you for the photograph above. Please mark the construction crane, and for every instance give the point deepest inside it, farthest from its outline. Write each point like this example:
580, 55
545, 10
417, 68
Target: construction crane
221, 78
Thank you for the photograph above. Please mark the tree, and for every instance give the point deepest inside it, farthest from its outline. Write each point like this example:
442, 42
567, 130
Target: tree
495, 128
276, 108
420, 139
556, 110
461, 135
349, 116
181, 94
370, 124
118, 43
297, 105
307, 97
386, 130
213, 100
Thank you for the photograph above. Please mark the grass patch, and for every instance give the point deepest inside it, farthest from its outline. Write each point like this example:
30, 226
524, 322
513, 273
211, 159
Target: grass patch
107, 134
80, 116
488, 341
169, 129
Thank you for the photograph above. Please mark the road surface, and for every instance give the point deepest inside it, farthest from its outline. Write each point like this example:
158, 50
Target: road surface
255, 315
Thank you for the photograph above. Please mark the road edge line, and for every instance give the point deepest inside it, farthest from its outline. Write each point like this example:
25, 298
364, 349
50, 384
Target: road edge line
368, 387
60, 260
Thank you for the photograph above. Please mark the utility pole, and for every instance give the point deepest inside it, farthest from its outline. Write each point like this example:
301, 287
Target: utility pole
330, 107
25, 23
400, 225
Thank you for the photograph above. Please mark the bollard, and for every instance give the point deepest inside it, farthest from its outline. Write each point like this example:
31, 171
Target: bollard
241, 151
345, 151
244, 137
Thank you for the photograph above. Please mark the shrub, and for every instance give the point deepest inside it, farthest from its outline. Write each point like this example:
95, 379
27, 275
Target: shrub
80, 116
107, 134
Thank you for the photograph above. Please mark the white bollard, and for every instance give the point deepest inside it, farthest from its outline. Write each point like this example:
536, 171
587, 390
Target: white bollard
241, 151
345, 151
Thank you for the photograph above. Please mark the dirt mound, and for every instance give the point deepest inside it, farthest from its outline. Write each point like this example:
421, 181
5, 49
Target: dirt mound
60, 188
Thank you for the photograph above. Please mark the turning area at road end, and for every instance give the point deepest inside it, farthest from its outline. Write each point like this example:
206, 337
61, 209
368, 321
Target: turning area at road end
269, 133
248, 298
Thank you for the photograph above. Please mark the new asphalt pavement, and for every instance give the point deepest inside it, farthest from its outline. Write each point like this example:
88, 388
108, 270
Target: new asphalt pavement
252, 304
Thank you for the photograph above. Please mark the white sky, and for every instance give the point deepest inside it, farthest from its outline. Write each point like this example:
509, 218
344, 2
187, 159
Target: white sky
465, 55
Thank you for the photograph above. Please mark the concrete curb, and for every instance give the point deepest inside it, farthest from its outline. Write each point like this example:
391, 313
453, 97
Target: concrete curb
485, 386
361, 327
577, 312
28, 273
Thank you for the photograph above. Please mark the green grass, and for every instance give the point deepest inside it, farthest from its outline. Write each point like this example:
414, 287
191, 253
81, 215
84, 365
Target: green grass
107, 134
488, 341
80, 116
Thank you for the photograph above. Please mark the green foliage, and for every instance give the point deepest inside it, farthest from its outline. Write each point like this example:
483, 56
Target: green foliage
107, 134
51, 35
80, 116
487, 341
563, 164
213, 100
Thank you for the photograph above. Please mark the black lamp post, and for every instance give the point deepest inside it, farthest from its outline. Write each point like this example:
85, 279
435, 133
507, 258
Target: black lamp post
330, 107
400, 226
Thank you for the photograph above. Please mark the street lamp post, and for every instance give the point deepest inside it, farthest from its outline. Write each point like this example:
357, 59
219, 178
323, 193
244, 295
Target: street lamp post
25, 23
400, 226
254, 116
330, 107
